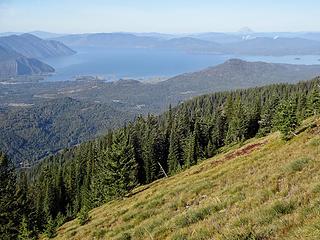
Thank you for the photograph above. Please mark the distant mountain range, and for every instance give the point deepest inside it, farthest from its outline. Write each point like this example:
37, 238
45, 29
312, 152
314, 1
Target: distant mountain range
20, 54
13, 63
274, 46
32, 46
219, 43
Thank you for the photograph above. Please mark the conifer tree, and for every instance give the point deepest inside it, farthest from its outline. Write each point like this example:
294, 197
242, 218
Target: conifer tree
50, 228
267, 114
175, 157
118, 169
313, 105
24, 232
286, 118
237, 128
192, 153
9, 221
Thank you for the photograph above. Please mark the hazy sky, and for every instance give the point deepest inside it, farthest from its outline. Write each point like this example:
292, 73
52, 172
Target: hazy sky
158, 15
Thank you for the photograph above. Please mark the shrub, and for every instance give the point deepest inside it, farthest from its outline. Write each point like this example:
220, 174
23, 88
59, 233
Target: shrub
193, 216
125, 236
99, 234
283, 208
298, 165
51, 228
83, 216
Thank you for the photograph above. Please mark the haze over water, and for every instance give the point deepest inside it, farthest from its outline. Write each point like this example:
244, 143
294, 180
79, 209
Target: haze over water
113, 64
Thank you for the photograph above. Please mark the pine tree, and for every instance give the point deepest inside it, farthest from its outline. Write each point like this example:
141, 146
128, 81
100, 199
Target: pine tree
267, 114
50, 228
9, 222
83, 215
313, 105
24, 232
137, 149
118, 169
192, 156
286, 118
175, 157
238, 125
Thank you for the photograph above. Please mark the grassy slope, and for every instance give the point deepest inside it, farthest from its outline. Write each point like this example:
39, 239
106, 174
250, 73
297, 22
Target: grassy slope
266, 191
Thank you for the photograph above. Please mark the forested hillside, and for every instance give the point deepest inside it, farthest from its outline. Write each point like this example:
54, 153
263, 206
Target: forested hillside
119, 100
32, 132
67, 185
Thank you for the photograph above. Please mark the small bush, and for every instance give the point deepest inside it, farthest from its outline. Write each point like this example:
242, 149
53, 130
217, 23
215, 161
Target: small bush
51, 228
316, 189
283, 208
60, 219
125, 236
179, 236
99, 234
193, 217
83, 216
298, 165
315, 142
72, 234
246, 236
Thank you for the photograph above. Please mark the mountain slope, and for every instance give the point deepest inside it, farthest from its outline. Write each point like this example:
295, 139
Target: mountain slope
264, 189
233, 74
236, 73
13, 63
33, 47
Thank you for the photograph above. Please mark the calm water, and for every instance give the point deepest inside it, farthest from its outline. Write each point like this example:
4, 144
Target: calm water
147, 63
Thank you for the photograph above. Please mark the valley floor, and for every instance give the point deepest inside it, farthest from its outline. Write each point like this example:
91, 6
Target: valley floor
264, 189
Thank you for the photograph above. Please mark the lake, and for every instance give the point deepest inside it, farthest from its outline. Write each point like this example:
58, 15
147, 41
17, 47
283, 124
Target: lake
113, 64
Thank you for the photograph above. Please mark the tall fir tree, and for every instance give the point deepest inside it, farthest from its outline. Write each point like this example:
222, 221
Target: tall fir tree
118, 169
286, 118
313, 105
9, 219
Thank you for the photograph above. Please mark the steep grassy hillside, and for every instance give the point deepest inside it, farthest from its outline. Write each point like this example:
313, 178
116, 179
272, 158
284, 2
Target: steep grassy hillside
264, 189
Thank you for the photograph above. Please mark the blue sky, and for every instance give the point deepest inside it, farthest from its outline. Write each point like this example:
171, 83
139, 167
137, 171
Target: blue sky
173, 16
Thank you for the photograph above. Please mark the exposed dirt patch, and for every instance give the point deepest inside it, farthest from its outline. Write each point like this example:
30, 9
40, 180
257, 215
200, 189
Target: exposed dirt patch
244, 151
241, 152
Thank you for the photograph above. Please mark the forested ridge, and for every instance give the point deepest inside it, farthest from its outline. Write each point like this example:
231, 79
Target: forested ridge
34, 132
69, 184
39, 119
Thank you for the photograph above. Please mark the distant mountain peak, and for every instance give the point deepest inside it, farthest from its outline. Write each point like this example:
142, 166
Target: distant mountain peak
235, 61
245, 30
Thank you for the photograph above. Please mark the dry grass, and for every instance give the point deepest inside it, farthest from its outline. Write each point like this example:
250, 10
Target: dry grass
269, 192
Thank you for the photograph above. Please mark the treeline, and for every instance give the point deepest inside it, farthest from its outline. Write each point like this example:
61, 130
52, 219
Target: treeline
69, 184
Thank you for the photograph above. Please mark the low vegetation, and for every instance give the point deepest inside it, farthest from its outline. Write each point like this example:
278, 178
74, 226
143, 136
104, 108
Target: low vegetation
271, 192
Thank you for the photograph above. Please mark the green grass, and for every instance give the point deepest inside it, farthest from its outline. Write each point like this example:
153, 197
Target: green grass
272, 192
